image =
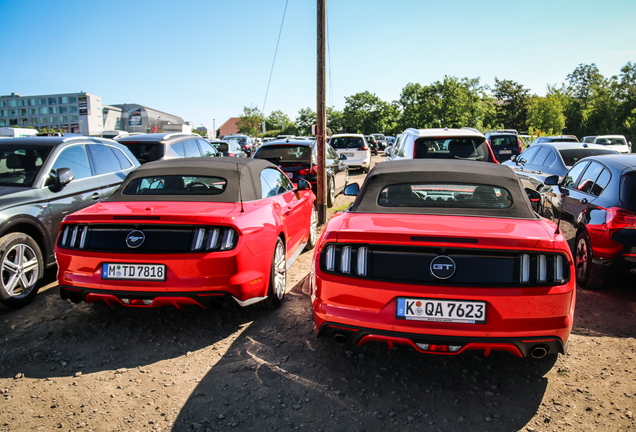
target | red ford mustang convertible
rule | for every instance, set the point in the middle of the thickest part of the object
(444, 256)
(188, 231)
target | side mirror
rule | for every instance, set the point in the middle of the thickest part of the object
(59, 178)
(352, 190)
(303, 184)
(552, 180)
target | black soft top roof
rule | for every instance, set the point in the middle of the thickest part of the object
(420, 171)
(226, 168)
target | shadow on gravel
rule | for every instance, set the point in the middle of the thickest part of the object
(278, 376)
(56, 338)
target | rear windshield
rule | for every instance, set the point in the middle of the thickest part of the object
(610, 141)
(240, 140)
(443, 195)
(572, 156)
(504, 141)
(19, 164)
(347, 142)
(628, 189)
(284, 153)
(379, 136)
(563, 139)
(175, 185)
(222, 147)
(457, 148)
(146, 152)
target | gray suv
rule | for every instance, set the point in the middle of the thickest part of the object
(43, 179)
(158, 146)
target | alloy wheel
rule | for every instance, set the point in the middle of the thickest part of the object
(280, 269)
(20, 270)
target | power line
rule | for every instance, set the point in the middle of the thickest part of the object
(275, 52)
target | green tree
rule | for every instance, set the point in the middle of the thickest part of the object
(306, 118)
(250, 122)
(512, 104)
(545, 114)
(366, 113)
(335, 120)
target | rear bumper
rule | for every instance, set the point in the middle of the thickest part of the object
(445, 345)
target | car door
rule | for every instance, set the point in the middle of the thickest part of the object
(191, 148)
(573, 201)
(109, 165)
(338, 166)
(535, 170)
(292, 207)
(85, 188)
(206, 148)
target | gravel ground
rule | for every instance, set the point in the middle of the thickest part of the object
(96, 368)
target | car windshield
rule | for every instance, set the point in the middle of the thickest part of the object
(175, 185)
(572, 156)
(503, 140)
(146, 152)
(347, 142)
(628, 188)
(20, 165)
(610, 141)
(455, 148)
(379, 136)
(444, 195)
(222, 147)
(284, 153)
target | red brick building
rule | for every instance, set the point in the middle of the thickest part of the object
(228, 128)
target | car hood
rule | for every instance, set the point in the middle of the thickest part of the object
(164, 211)
(450, 231)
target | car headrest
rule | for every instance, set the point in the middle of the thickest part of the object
(15, 161)
(462, 149)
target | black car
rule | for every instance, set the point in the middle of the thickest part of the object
(298, 159)
(504, 144)
(540, 161)
(595, 205)
(43, 179)
(373, 144)
(158, 146)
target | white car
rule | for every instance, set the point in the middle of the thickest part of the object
(615, 142)
(355, 148)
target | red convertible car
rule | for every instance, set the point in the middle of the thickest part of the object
(444, 256)
(188, 231)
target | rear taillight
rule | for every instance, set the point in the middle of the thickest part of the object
(230, 154)
(520, 145)
(363, 148)
(214, 239)
(310, 171)
(618, 218)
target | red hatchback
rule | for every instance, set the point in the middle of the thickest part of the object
(444, 256)
(188, 231)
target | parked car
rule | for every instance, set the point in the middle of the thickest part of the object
(380, 140)
(373, 144)
(189, 232)
(228, 148)
(42, 179)
(159, 146)
(355, 148)
(244, 141)
(444, 256)
(558, 138)
(504, 145)
(299, 160)
(540, 161)
(595, 204)
(616, 142)
(442, 144)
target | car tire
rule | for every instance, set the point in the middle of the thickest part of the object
(313, 230)
(587, 273)
(277, 277)
(21, 267)
(331, 193)
(366, 169)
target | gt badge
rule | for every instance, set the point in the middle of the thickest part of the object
(442, 267)
(134, 239)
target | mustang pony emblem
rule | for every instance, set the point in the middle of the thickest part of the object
(134, 239)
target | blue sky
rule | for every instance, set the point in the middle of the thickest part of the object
(207, 59)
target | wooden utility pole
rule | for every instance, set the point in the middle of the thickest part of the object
(321, 121)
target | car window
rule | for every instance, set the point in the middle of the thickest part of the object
(176, 185)
(442, 195)
(587, 183)
(347, 142)
(191, 148)
(178, 148)
(572, 156)
(541, 156)
(602, 181)
(628, 188)
(104, 160)
(19, 164)
(527, 155)
(572, 176)
(206, 148)
(550, 159)
(123, 159)
(503, 140)
(401, 147)
(274, 182)
(610, 141)
(455, 148)
(331, 153)
(277, 153)
(146, 152)
(75, 158)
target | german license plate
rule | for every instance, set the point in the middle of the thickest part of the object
(150, 272)
(349, 155)
(456, 311)
(505, 151)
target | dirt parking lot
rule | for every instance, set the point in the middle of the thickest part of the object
(97, 368)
